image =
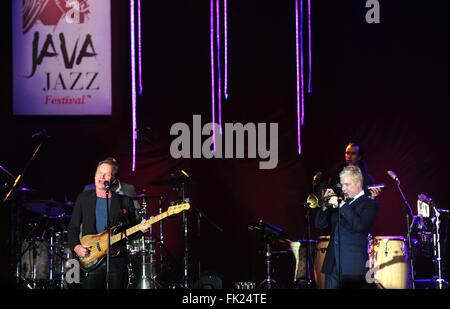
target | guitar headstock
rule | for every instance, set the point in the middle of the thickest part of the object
(178, 208)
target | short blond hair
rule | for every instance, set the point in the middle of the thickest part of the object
(353, 172)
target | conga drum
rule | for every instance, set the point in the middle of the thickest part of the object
(300, 250)
(389, 262)
(321, 250)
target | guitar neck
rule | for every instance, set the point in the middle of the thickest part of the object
(118, 237)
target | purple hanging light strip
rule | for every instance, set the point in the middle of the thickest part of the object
(213, 86)
(141, 88)
(133, 84)
(309, 48)
(225, 33)
(302, 67)
(297, 58)
(219, 73)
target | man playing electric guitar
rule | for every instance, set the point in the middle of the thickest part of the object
(89, 217)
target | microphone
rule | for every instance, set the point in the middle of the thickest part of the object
(107, 185)
(393, 176)
(317, 177)
(40, 133)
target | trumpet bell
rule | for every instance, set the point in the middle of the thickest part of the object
(312, 201)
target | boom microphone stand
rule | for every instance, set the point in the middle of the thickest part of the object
(408, 211)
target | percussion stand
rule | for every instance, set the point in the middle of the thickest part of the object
(308, 247)
(147, 280)
(186, 248)
(161, 236)
(269, 281)
(408, 211)
(51, 261)
(437, 250)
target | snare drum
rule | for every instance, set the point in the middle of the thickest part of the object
(389, 262)
(321, 250)
(135, 246)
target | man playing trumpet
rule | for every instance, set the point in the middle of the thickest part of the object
(350, 219)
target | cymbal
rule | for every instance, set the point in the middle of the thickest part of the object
(26, 190)
(144, 195)
(171, 181)
(49, 208)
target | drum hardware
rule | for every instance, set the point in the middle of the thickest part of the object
(49, 208)
(437, 251)
(427, 224)
(147, 276)
(42, 250)
(426, 227)
(178, 182)
(271, 233)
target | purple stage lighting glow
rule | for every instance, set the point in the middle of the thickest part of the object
(219, 79)
(309, 48)
(302, 70)
(225, 29)
(141, 89)
(213, 87)
(133, 84)
(299, 65)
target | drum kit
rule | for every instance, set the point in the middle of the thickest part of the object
(44, 253)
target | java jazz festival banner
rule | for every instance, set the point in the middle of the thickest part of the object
(61, 57)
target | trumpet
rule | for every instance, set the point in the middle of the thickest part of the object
(312, 201)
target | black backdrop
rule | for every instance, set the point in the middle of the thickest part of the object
(384, 85)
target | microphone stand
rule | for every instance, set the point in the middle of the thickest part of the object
(339, 243)
(308, 247)
(15, 213)
(408, 211)
(20, 176)
(108, 229)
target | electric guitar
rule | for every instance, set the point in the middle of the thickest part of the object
(98, 243)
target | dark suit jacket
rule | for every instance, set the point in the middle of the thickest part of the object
(121, 212)
(356, 221)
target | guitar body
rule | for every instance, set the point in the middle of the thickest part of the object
(98, 243)
(98, 246)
